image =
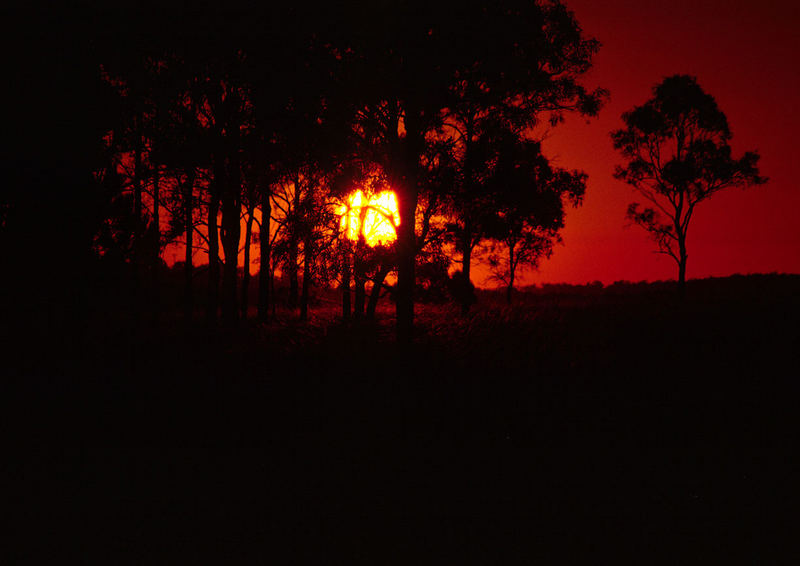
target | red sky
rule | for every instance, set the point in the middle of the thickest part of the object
(742, 53)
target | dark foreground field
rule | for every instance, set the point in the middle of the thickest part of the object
(597, 426)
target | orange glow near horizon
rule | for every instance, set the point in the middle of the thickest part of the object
(376, 217)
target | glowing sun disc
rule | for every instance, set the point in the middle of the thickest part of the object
(376, 217)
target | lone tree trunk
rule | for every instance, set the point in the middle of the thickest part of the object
(212, 302)
(682, 257)
(248, 234)
(510, 289)
(188, 299)
(512, 268)
(377, 286)
(308, 258)
(466, 263)
(294, 243)
(406, 236)
(466, 254)
(344, 251)
(359, 267)
(406, 272)
(273, 306)
(264, 265)
(231, 215)
(137, 220)
(360, 278)
(294, 284)
(466, 239)
(156, 251)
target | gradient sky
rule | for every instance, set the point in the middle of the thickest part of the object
(742, 53)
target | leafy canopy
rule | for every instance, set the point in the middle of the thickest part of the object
(677, 152)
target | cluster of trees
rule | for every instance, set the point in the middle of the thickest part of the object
(218, 130)
(266, 119)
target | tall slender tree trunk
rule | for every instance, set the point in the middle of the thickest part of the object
(274, 305)
(345, 256)
(375, 293)
(406, 270)
(188, 298)
(466, 255)
(466, 239)
(466, 265)
(294, 285)
(137, 193)
(265, 260)
(156, 251)
(683, 256)
(231, 218)
(512, 269)
(212, 303)
(308, 258)
(248, 232)
(294, 243)
(359, 277)
(230, 268)
(136, 259)
(406, 235)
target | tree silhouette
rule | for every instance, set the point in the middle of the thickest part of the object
(678, 155)
(528, 206)
(250, 202)
(528, 53)
(513, 102)
(221, 105)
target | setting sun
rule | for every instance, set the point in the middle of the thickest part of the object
(376, 217)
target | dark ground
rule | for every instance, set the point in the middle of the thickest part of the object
(605, 426)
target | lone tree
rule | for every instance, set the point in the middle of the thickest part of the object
(677, 152)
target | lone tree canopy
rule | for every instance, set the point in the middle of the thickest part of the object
(677, 155)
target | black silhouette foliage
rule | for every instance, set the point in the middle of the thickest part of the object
(677, 153)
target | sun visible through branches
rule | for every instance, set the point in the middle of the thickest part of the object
(375, 217)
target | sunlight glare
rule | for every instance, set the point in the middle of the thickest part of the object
(379, 214)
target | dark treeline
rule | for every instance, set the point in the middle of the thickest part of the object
(216, 131)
